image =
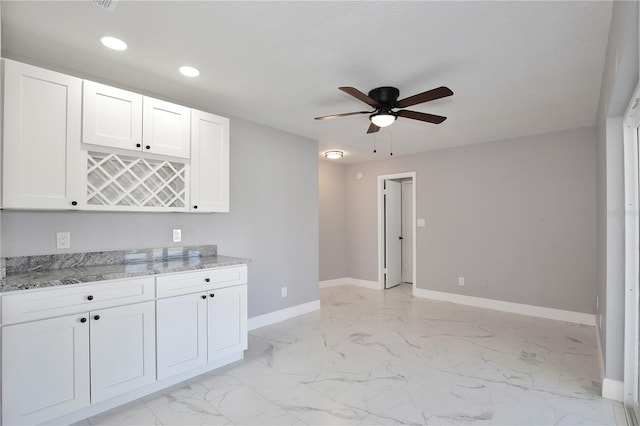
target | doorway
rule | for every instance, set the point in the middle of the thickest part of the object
(396, 230)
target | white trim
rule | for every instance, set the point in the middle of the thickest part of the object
(381, 179)
(613, 389)
(349, 281)
(517, 308)
(600, 351)
(334, 282)
(631, 229)
(282, 315)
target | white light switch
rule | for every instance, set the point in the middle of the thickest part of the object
(177, 235)
(63, 240)
(421, 223)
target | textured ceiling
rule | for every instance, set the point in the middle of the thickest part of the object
(517, 68)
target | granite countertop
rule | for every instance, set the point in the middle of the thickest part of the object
(29, 272)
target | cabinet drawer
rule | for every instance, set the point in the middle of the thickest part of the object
(193, 282)
(53, 302)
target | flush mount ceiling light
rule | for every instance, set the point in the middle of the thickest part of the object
(189, 71)
(333, 155)
(113, 43)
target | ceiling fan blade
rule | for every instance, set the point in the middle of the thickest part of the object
(415, 115)
(429, 95)
(373, 128)
(360, 96)
(326, 117)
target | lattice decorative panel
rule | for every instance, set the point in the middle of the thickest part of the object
(120, 180)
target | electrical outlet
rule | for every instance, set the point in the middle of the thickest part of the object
(484, 283)
(63, 240)
(460, 280)
(177, 235)
(284, 292)
(597, 302)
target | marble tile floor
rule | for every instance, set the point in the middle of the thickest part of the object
(384, 357)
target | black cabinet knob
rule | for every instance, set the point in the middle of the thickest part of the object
(89, 297)
(83, 320)
(207, 280)
(147, 147)
(96, 317)
(195, 207)
(138, 145)
(74, 203)
(204, 296)
(212, 295)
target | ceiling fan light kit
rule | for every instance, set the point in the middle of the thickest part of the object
(385, 100)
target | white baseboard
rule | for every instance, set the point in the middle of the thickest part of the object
(349, 281)
(282, 314)
(613, 389)
(517, 308)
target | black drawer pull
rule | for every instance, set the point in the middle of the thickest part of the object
(74, 203)
(207, 280)
(89, 297)
(147, 147)
(212, 295)
(204, 296)
(138, 145)
(83, 320)
(96, 317)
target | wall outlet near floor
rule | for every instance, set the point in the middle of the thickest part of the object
(177, 235)
(597, 302)
(483, 283)
(284, 292)
(63, 240)
(460, 280)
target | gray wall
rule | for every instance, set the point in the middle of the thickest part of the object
(618, 83)
(273, 220)
(333, 220)
(518, 213)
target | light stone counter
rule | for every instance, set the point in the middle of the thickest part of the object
(29, 272)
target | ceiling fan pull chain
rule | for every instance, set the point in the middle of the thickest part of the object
(374, 143)
(391, 151)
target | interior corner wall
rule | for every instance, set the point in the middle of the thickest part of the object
(333, 216)
(619, 80)
(273, 220)
(518, 213)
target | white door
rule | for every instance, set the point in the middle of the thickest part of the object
(393, 233)
(407, 231)
(111, 117)
(166, 128)
(122, 349)
(209, 162)
(42, 113)
(182, 333)
(45, 369)
(227, 322)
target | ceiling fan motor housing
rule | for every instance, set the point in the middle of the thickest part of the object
(385, 95)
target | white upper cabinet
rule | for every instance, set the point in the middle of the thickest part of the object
(111, 117)
(209, 162)
(118, 118)
(166, 128)
(41, 139)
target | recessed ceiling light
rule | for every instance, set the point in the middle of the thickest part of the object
(113, 43)
(189, 71)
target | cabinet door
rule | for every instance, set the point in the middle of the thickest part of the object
(45, 369)
(227, 322)
(111, 117)
(209, 162)
(166, 128)
(41, 160)
(182, 333)
(122, 349)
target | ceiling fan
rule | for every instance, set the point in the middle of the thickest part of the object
(385, 100)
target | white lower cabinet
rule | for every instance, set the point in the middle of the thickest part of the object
(45, 369)
(55, 366)
(200, 328)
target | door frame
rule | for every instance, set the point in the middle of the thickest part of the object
(381, 179)
(632, 252)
